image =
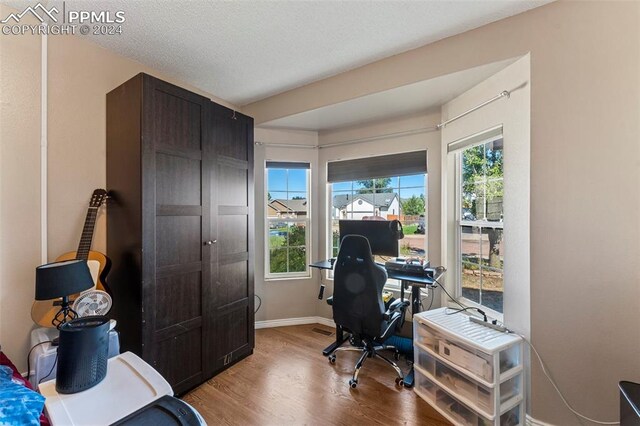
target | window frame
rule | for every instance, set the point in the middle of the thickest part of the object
(391, 284)
(281, 276)
(459, 223)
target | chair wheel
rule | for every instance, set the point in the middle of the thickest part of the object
(353, 383)
(332, 359)
(399, 381)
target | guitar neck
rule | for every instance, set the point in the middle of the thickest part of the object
(87, 234)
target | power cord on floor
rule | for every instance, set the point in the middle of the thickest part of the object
(535, 351)
(555, 386)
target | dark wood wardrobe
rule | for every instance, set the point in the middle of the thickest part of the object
(180, 229)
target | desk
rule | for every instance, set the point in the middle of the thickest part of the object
(406, 280)
(340, 337)
(416, 282)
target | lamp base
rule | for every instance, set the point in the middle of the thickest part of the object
(65, 314)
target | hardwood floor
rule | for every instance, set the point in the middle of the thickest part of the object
(287, 381)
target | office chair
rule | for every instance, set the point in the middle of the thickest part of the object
(358, 306)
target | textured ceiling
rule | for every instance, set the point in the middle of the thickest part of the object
(243, 51)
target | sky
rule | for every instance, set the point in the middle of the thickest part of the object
(296, 185)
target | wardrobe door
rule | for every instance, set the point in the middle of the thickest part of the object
(232, 223)
(176, 290)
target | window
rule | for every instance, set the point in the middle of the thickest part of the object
(386, 198)
(480, 226)
(382, 187)
(288, 220)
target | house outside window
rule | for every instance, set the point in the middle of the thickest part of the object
(383, 187)
(389, 198)
(288, 220)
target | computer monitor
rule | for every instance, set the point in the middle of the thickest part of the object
(383, 235)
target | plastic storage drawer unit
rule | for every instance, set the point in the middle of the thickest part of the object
(471, 374)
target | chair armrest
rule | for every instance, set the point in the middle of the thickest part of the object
(392, 325)
(397, 306)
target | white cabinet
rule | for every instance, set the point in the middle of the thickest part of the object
(471, 374)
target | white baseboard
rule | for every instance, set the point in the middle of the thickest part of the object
(285, 322)
(530, 421)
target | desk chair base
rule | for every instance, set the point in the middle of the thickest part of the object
(370, 351)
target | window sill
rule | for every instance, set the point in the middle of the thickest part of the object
(294, 278)
(394, 286)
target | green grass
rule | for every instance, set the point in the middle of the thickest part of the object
(405, 251)
(410, 229)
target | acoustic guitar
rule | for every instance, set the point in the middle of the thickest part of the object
(43, 311)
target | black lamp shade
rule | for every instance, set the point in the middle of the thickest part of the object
(59, 279)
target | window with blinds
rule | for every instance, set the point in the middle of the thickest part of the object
(381, 188)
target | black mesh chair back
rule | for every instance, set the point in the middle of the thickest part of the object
(358, 283)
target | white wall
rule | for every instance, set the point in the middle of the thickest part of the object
(284, 298)
(19, 188)
(293, 298)
(585, 233)
(513, 114)
(80, 74)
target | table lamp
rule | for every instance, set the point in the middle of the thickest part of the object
(61, 280)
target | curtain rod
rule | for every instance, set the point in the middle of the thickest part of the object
(350, 141)
(285, 145)
(383, 136)
(503, 94)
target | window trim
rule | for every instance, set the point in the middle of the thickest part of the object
(459, 223)
(283, 276)
(392, 284)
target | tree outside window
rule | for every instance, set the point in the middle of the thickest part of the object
(481, 227)
(387, 198)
